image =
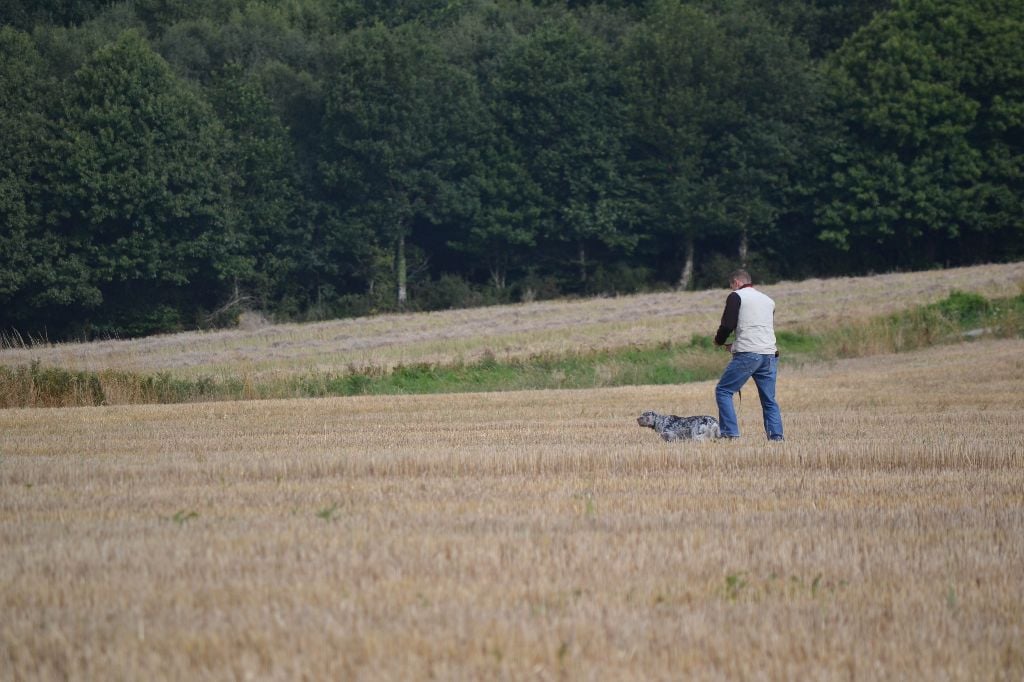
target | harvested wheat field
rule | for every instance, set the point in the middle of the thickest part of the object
(507, 332)
(532, 535)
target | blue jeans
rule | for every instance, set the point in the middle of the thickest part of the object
(764, 369)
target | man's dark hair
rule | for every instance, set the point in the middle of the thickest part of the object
(741, 276)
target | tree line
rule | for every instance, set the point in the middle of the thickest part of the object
(168, 164)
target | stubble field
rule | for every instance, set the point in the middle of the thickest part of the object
(531, 535)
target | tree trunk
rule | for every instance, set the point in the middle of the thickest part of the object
(400, 272)
(686, 278)
(583, 264)
(744, 247)
(498, 278)
(498, 268)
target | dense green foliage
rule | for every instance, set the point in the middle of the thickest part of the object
(170, 164)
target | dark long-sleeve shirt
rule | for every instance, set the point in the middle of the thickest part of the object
(730, 318)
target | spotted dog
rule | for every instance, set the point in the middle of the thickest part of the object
(671, 427)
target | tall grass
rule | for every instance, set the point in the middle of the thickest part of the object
(38, 386)
(959, 317)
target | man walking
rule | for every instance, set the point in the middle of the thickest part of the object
(751, 314)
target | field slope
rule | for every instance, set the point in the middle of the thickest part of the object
(537, 535)
(509, 332)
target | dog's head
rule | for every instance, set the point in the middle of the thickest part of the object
(647, 419)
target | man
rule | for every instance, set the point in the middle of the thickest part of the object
(751, 314)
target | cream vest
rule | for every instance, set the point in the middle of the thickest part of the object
(755, 330)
